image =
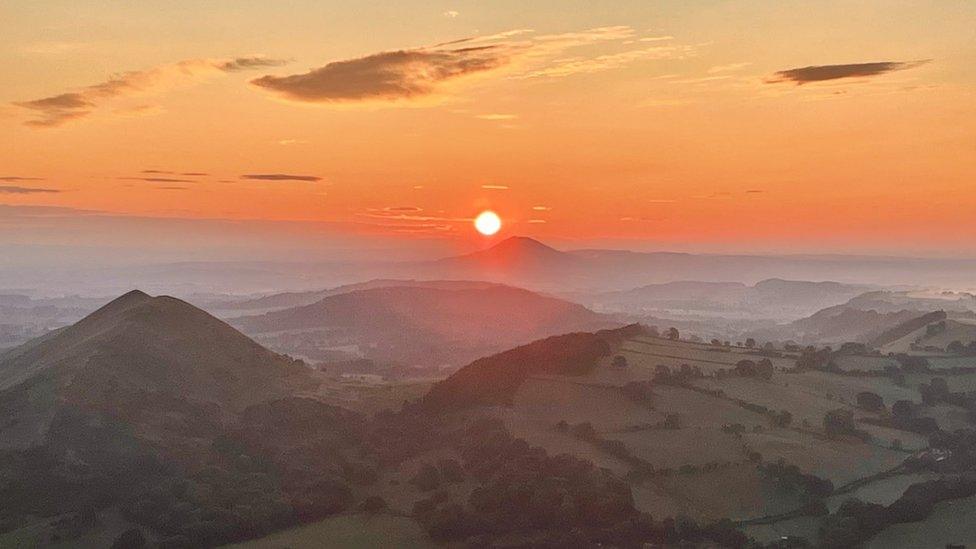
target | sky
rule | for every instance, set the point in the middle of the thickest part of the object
(713, 126)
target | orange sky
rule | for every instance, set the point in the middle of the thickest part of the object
(703, 125)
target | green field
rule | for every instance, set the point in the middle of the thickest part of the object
(841, 461)
(738, 492)
(347, 532)
(950, 522)
(883, 492)
(865, 363)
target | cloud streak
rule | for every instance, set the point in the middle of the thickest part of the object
(280, 177)
(409, 74)
(158, 179)
(15, 189)
(820, 73)
(57, 110)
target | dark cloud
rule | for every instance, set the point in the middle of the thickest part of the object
(819, 73)
(386, 76)
(158, 179)
(11, 178)
(168, 172)
(12, 189)
(62, 108)
(58, 109)
(172, 188)
(280, 177)
(248, 63)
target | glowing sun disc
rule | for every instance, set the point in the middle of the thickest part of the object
(488, 223)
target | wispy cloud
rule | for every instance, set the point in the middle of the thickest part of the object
(170, 172)
(280, 177)
(731, 67)
(495, 187)
(819, 73)
(59, 109)
(451, 14)
(414, 73)
(496, 116)
(15, 189)
(158, 179)
(12, 178)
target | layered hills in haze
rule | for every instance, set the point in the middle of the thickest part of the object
(429, 325)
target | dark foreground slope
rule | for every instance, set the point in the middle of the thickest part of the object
(154, 409)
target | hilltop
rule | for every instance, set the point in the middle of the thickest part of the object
(423, 326)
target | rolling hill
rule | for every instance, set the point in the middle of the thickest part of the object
(772, 298)
(422, 326)
(287, 300)
(875, 316)
(133, 358)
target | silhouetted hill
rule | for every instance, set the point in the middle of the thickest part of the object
(133, 358)
(424, 325)
(287, 300)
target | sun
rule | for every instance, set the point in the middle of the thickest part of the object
(488, 223)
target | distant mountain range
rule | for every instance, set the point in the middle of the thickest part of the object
(420, 324)
(517, 261)
(772, 298)
(877, 317)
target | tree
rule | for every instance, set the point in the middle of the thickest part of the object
(673, 333)
(764, 368)
(956, 348)
(839, 422)
(750, 343)
(427, 478)
(130, 539)
(620, 361)
(745, 368)
(903, 410)
(783, 419)
(867, 400)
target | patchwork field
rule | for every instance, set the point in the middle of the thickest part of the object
(840, 461)
(739, 492)
(775, 394)
(946, 362)
(864, 363)
(672, 448)
(846, 388)
(765, 533)
(951, 522)
(347, 531)
(648, 352)
(883, 492)
(547, 400)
